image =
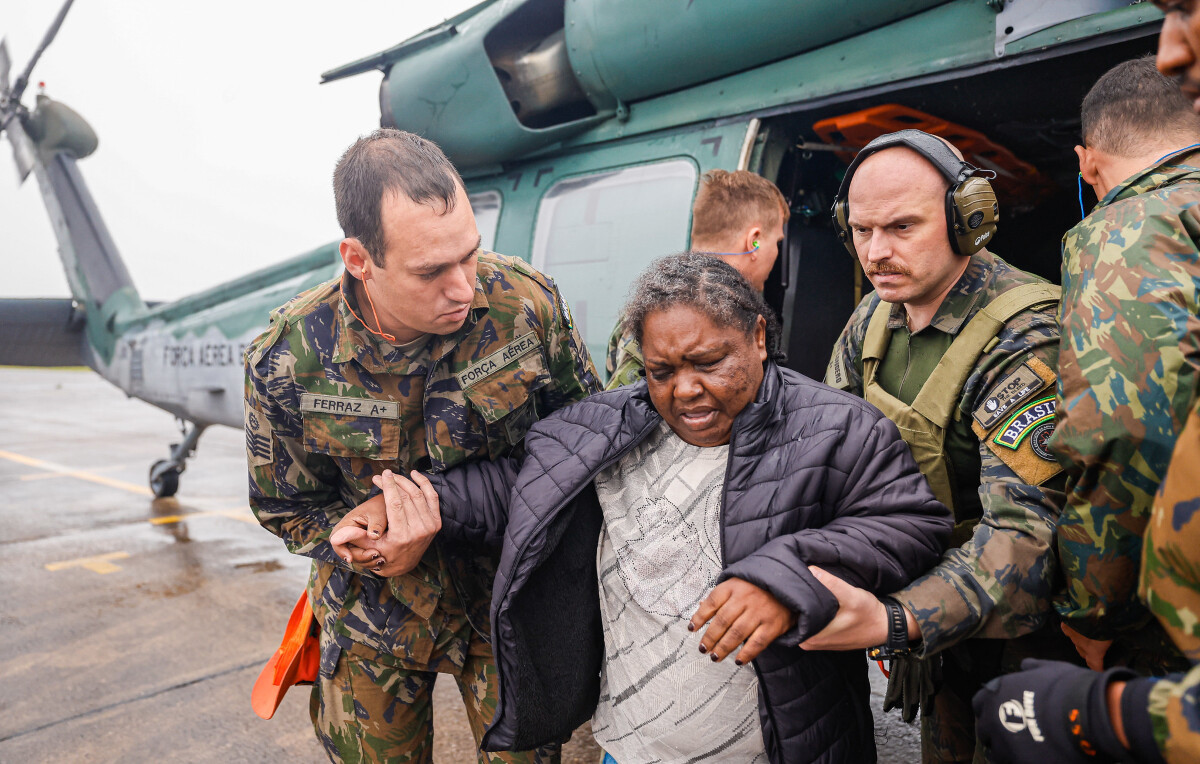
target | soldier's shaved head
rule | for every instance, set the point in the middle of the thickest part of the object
(1133, 109)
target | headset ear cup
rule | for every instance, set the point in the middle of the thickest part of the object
(841, 225)
(971, 215)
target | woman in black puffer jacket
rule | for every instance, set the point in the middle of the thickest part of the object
(813, 476)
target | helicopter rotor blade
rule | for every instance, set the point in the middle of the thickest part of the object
(22, 81)
(21, 147)
(5, 65)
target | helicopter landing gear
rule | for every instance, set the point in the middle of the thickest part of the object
(164, 473)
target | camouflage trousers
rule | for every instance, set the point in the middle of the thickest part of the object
(369, 712)
(948, 733)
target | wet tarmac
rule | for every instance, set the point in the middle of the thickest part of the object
(133, 628)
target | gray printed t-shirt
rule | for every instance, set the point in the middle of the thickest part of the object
(661, 700)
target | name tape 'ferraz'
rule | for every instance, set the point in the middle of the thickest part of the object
(341, 406)
(498, 360)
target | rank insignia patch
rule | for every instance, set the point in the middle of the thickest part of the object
(259, 445)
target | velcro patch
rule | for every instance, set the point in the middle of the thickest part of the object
(344, 406)
(484, 368)
(836, 375)
(1022, 422)
(259, 440)
(1009, 393)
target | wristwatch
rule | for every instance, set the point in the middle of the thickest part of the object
(897, 641)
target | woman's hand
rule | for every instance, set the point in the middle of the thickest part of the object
(741, 614)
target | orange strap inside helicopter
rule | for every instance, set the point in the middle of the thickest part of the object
(1015, 178)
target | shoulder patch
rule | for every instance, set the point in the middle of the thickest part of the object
(1016, 419)
(1013, 390)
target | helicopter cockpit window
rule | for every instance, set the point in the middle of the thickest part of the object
(486, 206)
(595, 234)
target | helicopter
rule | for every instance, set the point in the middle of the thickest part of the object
(581, 129)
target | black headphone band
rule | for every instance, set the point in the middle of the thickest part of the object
(933, 149)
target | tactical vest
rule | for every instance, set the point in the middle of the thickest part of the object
(923, 424)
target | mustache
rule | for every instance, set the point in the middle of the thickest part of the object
(884, 269)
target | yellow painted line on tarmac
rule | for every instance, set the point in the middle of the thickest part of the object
(60, 469)
(101, 564)
(37, 476)
(242, 513)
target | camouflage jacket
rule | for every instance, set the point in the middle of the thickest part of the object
(999, 582)
(1170, 587)
(328, 406)
(623, 362)
(1127, 373)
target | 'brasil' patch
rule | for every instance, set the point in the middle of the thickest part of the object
(1032, 417)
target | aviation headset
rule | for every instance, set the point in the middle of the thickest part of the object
(971, 207)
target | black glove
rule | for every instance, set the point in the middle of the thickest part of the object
(1049, 712)
(912, 683)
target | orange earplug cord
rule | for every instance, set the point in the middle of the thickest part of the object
(381, 332)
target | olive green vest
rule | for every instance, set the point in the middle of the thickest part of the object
(923, 424)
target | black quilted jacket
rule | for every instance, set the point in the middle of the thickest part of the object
(815, 476)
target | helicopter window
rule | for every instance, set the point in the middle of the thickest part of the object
(595, 233)
(486, 206)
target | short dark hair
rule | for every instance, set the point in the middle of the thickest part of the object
(705, 283)
(732, 201)
(389, 161)
(1132, 107)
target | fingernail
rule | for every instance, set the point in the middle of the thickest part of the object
(714, 657)
(703, 649)
(375, 556)
(737, 663)
(691, 627)
(374, 534)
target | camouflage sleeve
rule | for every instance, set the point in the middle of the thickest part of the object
(1162, 717)
(999, 583)
(293, 493)
(628, 366)
(1170, 586)
(1129, 365)
(1170, 578)
(571, 369)
(845, 364)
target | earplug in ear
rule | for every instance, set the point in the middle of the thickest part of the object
(754, 244)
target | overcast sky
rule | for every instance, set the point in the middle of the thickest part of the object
(216, 142)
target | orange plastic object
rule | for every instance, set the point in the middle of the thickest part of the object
(295, 662)
(1016, 180)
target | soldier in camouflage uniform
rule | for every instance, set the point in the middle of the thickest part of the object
(1083, 716)
(1133, 276)
(468, 349)
(959, 351)
(737, 216)
(1170, 587)
(1130, 355)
